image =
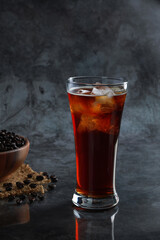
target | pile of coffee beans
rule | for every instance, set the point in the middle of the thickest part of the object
(32, 196)
(10, 141)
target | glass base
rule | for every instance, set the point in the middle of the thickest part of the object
(95, 203)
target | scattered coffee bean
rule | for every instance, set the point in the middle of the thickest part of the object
(30, 180)
(8, 188)
(50, 186)
(31, 199)
(39, 178)
(45, 174)
(41, 197)
(4, 130)
(34, 194)
(11, 198)
(27, 181)
(22, 197)
(33, 185)
(10, 141)
(19, 185)
(53, 178)
(7, 185)
(29, 175)
(19, 201)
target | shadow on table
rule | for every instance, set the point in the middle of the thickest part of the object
(11, 214)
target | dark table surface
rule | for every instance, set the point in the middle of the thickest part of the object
(136, 216)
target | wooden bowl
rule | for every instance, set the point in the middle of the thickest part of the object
(13, 159)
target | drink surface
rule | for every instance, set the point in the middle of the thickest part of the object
(96, 115)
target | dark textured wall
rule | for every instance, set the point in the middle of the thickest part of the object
(44, 42)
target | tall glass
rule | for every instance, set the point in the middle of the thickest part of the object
(96, 105)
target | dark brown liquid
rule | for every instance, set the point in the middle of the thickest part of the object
(96, 124)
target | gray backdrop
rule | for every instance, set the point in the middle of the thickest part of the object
(44, 42)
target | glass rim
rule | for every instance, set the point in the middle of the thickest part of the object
(120, 80)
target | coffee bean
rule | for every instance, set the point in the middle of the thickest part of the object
(41, 197)
(19, 201)
(31, 199)
(19, 185)
(17, 138)
(11, 198)
(8, 145)
(18, 143)
(27, 181)
(50, 186)
(29, 175)
(22, 197)
(33, 185)
(13, 144)
(10, 141)
(45, 174)
(7, 184)
(53, 178)
(34, 194)
(8, 188)
(39, 178)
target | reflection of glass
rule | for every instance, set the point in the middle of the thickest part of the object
(94, 225)
(11, 214)
(96, 105)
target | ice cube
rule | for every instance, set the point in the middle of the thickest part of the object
(83, 91)
(118, 90)
(86, 124)
(103, 91)
(90, 123)
(77, 105)
(104, 104)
